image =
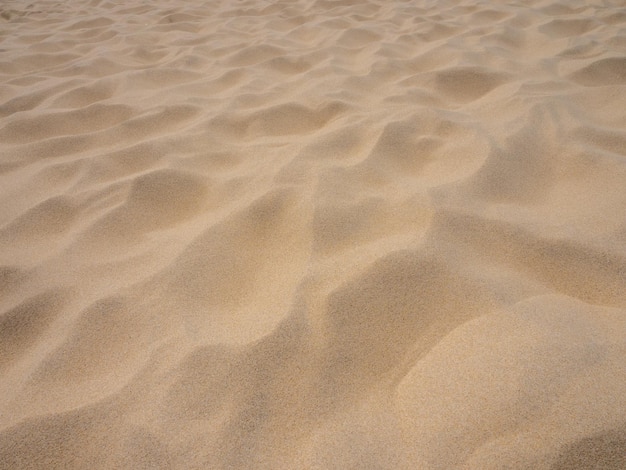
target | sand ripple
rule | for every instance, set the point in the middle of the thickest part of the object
(314, 234)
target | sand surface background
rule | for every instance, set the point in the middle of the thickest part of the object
(313, 234)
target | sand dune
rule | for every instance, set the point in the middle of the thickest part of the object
(313, 234)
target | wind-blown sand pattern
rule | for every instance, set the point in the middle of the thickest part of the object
(313, 234)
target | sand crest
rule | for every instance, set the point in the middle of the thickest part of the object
(313, 234)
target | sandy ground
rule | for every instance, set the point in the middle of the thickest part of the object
(313, 234)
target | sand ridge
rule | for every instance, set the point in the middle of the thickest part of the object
(313, 234)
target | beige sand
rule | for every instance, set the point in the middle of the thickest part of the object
(323, 234)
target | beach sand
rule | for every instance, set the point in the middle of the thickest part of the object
(313, 234)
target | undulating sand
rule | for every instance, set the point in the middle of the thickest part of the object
(322, 234)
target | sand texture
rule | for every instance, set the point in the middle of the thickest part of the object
(313, 234)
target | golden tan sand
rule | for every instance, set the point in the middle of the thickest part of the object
(313, 234)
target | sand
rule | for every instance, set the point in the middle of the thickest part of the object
(313, 234)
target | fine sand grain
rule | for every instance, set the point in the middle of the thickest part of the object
(326, 234)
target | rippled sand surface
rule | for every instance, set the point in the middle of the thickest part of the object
(313, 234)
